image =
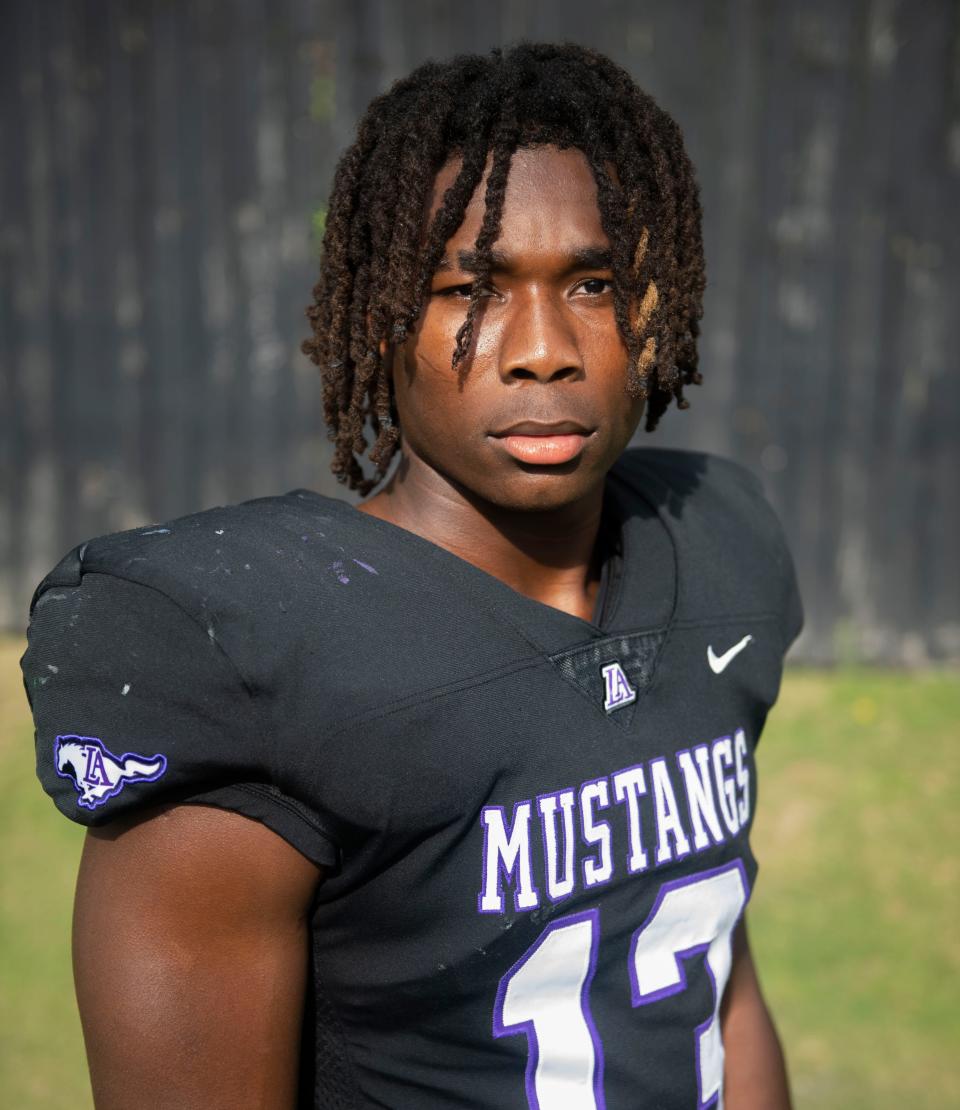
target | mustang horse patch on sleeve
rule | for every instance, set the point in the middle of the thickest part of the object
(97, 773)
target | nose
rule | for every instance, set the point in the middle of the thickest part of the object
(539, 342)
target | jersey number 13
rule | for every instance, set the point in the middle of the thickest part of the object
(546, 994)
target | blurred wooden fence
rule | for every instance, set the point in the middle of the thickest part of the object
(162, 163)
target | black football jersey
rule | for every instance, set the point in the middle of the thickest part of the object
(535, 828)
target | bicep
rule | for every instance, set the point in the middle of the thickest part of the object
(190, 961)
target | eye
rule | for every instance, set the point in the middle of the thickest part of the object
(594, 287)
(458, 292)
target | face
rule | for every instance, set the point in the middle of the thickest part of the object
(538, 412)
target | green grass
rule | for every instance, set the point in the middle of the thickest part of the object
(42, 1064)
(854, 921)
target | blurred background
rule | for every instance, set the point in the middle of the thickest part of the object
(164, 166)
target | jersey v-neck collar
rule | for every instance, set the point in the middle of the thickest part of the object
(625, 601)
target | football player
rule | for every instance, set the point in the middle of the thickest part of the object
(443, 800)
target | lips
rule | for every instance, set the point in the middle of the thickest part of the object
(540, 444)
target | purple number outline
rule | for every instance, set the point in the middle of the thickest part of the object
(638, 998)
(500, 1029)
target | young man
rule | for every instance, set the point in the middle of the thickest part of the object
(444, 800)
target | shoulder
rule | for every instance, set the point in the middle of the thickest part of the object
(195, 559)
(166, 592)
(151, 668)
(689, 479)
(228, 575)
(732, 552)
(229, 565)
(710, 501)
(290, 590)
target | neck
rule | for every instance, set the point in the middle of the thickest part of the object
(548, 555)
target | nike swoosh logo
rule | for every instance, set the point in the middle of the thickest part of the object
(720, 663)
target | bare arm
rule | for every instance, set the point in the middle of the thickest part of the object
(754, 1074)
(190, 961)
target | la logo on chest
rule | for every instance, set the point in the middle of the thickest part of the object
(617, 691)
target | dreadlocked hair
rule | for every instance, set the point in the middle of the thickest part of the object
(377, 260)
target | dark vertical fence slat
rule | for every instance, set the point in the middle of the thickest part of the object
(42, 337)
(257, 254)
(940, 610)
(862, 230)
(238, 153)
(929, 316)
(168, 303)
(164, 162)
(100, 481)
(122, 290)
(146, 205)
(218, 273)
(280, 43)
(802, 224)
(16, 86)
(194, 386)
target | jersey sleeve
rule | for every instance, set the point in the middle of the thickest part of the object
(752, 529)
(737, 557)
(792, 602)
(135, 704)
(773, 544)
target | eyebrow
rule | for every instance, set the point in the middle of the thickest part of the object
(584, 258)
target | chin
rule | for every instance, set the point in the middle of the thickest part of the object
(540, 490)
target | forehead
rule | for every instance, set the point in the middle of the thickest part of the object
(550, 198)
